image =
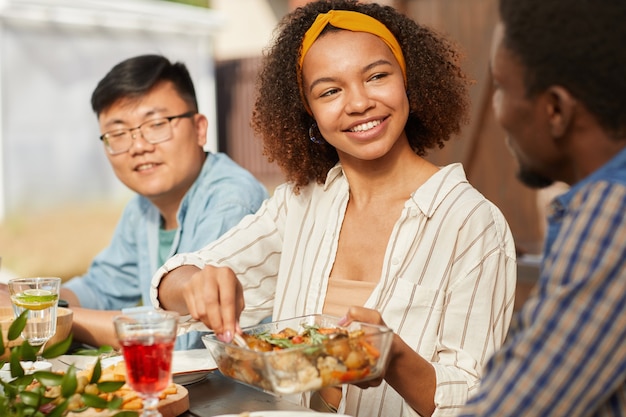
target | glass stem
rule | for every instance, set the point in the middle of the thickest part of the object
(150, 407)
(40, 351)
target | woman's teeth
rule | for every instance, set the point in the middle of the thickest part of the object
(365, 126)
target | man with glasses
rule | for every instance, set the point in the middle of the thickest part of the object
(153, 137)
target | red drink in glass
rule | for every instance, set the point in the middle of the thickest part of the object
(147, 337)
(148, 363)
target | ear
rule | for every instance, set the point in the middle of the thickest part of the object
(561, 108)
(202, 126)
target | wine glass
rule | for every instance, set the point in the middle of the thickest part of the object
(40, 297)
(147, 339)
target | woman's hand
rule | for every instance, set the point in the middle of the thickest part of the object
(215, 297)
(366, 315)
(407, 372)
(362, 314)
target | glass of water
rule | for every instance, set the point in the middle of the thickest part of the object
(40, 297)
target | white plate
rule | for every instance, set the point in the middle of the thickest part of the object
(195, 360)
(29, 368)
(188, 366)
(106, 362)
(189, 378)
(283, 414)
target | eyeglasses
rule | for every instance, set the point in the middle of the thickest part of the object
(153, 131)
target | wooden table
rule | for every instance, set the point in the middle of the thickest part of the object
(217, 395)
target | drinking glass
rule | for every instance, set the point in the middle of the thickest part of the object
(147, 340)
(40, 297)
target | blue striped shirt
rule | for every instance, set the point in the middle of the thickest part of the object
(566, 354)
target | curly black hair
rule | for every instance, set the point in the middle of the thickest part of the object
(577, 44)
(437, 90)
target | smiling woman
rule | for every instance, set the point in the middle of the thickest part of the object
(351, 97)
(354, 84)
(436, 89)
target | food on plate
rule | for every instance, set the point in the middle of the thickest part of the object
(130, 400)
(303, 354)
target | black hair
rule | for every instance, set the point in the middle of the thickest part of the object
(577, 44)
(134, 77)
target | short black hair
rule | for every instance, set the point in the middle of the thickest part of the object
(134, 77)
(577, 44)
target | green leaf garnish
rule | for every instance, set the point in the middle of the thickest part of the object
(49, 379)
(69, 382)
(110, 386)
(59, 410)
(115, 403)
(97, 371)
(313, 332)
(57, 349)
(101, 351)
(281, 342)
(18, 325)
(91, 400)
(30, 398)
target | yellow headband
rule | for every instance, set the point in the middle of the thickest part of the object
(355, 22)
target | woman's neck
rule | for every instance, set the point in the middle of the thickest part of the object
(387, 179)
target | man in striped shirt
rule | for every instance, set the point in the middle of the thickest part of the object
(560, 93)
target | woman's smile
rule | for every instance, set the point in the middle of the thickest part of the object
(355, 90)
(362, 127)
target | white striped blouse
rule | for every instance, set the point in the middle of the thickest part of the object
(447, 285)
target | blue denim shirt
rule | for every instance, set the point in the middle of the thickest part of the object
(119, 277)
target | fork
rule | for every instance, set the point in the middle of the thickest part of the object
(239, 340)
